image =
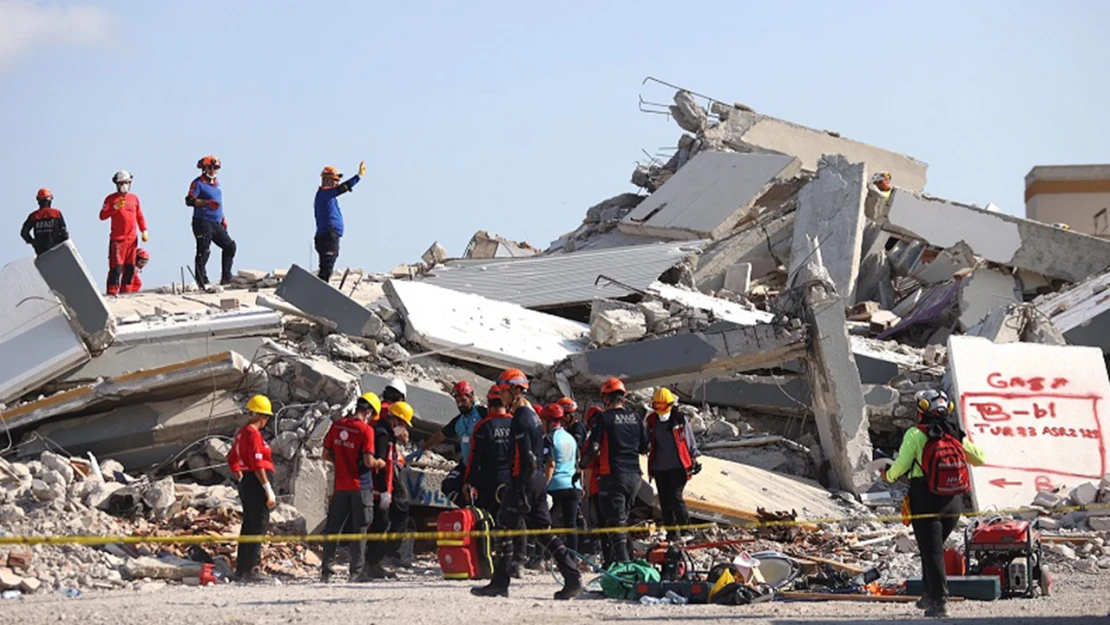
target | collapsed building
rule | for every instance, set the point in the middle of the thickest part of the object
(793, 306)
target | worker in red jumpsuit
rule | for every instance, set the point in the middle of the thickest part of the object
(142, 257)
(123, 208)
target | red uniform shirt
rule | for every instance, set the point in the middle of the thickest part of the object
(124, 216)
(348, 440)
(250, 452)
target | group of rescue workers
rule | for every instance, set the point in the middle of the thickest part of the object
(522, 463)
(46, 227)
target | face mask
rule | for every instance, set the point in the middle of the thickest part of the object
(666, 416)
(398, 430)
(123, 187)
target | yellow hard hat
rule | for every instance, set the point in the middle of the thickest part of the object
(373, 400)
(663, 395)
(260, 404)
(402, 411)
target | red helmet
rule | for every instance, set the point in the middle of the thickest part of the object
(512, 377)
(493, 394)
(462, 388)
(552, 412)
(43, 194)
(592, 412)
(567, 404)
(208, 161)
(613, 385)
(142, 254)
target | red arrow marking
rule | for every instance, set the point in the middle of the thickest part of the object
(1003, 482)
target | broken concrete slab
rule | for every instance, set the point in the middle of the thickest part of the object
(310, 485)
(318, 379)
(477, 329)
(615, 326)
(485, 245)
(721, 309)
(36, 328)
(779, 395)
(127, 357)
(983, 290)
(224, 324)
(219, 371)
(434, 409)
(875, 279)
(1036, 412)
(998, 237)
(830, 207)
(316, 297)
(945, 265)
(693, 356)
(709, 196)
(765, 245)
(748, 131)
(64, 270)
(738, 278)
(1082, 313)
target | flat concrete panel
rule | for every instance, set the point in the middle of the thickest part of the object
(983, 291)
(316, 297)
(37, 338)
(708, 196)
(433, 408)
(69, 278)
(1037, 413)
(121, 359)
(753, 391)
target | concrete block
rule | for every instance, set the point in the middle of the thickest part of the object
(1084, 494)
(738, 278)
(882, 321)
(708, 196)
(34, 327)
(983, 290)
(830, 207)
(764, 245)
(1035, 410)
(317, 379)
(318, 298)
(612, 327)
(435, 255)
(69, 278)
(310, 490)
(862, 311)
(998, 237)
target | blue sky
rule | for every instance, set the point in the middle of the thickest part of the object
(512, 117)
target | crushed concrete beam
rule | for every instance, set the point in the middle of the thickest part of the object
(318, 298)
(219, 371)
(476, 329)
(748, 131)
(143, 435)
(318, 379)
(998, 237)
(765, 245)
(1082, 313)
(708, 196)
(780, 395)
(123, 358)
(983, 290)
(693, 356)
(831, 208)
(38, 340)
(64, 270)
(239, 323)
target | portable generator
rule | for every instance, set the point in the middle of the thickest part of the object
(1011, 551)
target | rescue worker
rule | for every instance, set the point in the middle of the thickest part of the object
(252, 464)
(562, 473)
(591, 479)
(390, 431)
(882, 183)
(44, 228)
(123, 208)
(349, 446)
(617, 441)
(571, 423)
(142, 257)
(394, 392)
(329, 218)
(672, 458)
(209, 225)
(526, 496)
(936, 417)
(458, 430)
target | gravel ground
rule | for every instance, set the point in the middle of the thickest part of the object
(429, 600)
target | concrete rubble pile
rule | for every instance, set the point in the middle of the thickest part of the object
(761, 272)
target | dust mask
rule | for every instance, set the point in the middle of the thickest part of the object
(666, 416)
(398, 430)
(123, 187)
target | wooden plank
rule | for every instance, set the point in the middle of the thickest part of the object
(795, 595)
(837, 566)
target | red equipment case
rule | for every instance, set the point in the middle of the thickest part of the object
(465, 557)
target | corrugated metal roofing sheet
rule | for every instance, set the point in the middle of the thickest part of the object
(562, 279)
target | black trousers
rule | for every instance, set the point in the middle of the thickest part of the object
(527, 501)
(396, 520)
(616, 498)
(350, 512)
(487, 500)
(207, 233)
(327, 246)
(256, 521)
(452, 484)
(670, 484)
(931, 533)
(565, 511)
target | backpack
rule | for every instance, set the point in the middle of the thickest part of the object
(945, 465)
(620, 580)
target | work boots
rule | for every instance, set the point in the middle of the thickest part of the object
(572, 587)
(937, 609)
(491, 589)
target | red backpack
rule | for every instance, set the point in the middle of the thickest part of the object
(945, 465)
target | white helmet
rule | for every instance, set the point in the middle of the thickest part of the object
(121, 176)
(398, 385)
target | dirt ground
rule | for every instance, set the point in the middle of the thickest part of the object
(426, 599)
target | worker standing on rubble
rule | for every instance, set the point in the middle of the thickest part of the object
(459, 430)
(562, 473)
(123, 208)
(672, 458)
(617, 441)
(934, 515)
(142, 257)
(349, 446)
(44, 228)
(252, 464)
(882, 183)
(390, 431)
(526, 496)
(206, 198)
(329, 218)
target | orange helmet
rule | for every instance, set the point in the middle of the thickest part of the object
(331, 172)
(208, 161)
(613, 385)
(567, 404)
(43, 194)
(493, 394)
(552, 412)
(512, 377)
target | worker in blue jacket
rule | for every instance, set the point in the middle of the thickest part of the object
(329, 218)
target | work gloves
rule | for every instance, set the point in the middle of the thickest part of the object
(386, 500)
(146, 237)
(361, 169)
(696, 468)
(271, 499)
